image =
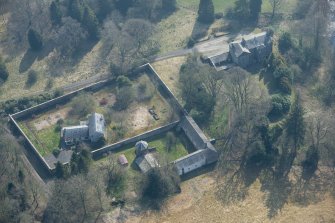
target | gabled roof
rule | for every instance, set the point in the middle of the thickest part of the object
(238, 49)
(219, 58)
(75, 132)
(123, 159)
(255, 41)
(146, 162)
(96, 123)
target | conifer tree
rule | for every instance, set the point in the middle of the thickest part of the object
(76, 9)
(59, 171)
(90, 22)
(55, 13)
(206, 11)
(35, 40)
(295, 126)
(255, 7)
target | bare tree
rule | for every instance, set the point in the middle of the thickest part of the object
(68, 37)
(318, 128)
(213, 82)
(237, 89)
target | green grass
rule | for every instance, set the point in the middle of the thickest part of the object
(44, 141)
(49, 138)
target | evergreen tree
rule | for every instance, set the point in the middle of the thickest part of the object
(59, 171)
(123, 5)
(295, 126)
(3, 71)
(206, 11)
(55, 13)
(90, 22)
(35, 40)
(241, 9)
(255, 7)
(169, 5)
(76, 9)
(105, 7)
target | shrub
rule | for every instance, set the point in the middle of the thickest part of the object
(171, 141)
(280, 105)
(158, 184)
(32, 78)
(83, 104)
(198, 116)
(56, 152)
(285, 42)
(124, 97)
(145, 90)
(284, 85)
(123, 81)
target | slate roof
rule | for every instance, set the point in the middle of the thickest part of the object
(238, 49)
(96, 123)
(219, 58)
(75, 132)
(146, 162)
(255, 41)
(63, 157)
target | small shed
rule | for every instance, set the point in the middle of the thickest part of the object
(123, 160)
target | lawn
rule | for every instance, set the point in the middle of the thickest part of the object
(45, 141)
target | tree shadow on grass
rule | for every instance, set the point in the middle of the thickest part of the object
(28, 60)
(83, 50)
(31, 56)
(199, 30)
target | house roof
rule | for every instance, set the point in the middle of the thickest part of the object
(146, 162)
(74, 132)
(255, 41)
(63, 157)
(219, 58)
(96, 123)
(238, 49)
(190, 159)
